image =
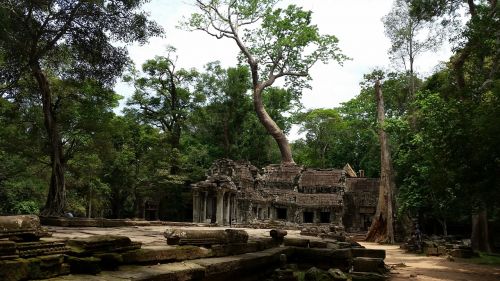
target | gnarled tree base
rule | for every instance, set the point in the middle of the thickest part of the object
(378, 231)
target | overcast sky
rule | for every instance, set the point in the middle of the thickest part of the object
(356, 23)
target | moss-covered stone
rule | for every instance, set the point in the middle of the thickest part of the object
(87, 265)
(14, 270)
(337, 274)
(110, 261)
(316, 274)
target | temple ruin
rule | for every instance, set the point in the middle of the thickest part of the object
(237, 193)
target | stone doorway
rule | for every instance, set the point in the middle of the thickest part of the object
(308, 217)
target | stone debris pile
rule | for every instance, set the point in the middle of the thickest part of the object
(440, 246)
(334, 232)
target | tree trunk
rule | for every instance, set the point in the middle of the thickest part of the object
(444, 225)
(89, 207)
(271, 126)
(479, 238)
(382, 228)
(56, 198)
(175, 140)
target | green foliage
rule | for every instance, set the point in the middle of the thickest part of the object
(283, 42)
(165, 97)
(71, 37)
(227, 126)
(485, 258)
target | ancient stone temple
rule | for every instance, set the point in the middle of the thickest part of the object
(238, 193)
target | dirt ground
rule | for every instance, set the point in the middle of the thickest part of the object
(420, 267)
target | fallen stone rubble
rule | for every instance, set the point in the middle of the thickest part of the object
(440, 246)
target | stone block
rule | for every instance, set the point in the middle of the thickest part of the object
(14, 270)
(22, 228)
(178, 271)
(45, 267)
(317, 244)
(88, 265)
(332, 245)
(266, 243)
(361, 264)
(239, 266)
(8, 250)
(368, 253)
(41, 248)
(368, 276)
(344, 245)
(209, 237)
(296, 242)
(461, 253)
(101, 244)
(222, 250)
(323, 258)
(163, 254)
(110, 261)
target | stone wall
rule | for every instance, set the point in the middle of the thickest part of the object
(360, 203)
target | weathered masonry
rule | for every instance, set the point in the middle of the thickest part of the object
(360, 202)
(238, 193)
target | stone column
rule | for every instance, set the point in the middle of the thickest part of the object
(220, 208)
(196, 206)
(204, 208)
(233, 208)
(228, 209)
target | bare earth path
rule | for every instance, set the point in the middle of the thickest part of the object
(419, 267)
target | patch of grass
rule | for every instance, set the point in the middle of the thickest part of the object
(485, 258)
(300, 275)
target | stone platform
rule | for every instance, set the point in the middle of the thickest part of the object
(142, 253)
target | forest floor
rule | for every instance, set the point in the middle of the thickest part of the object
(407, 266)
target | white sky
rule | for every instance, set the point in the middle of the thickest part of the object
(356, 23)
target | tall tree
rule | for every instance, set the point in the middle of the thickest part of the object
(70, 40)
(285, 44)
(164, 96)
(410, 37)
(382, 228)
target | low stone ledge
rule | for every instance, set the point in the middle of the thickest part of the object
(224, 268)
(154, 255)
(368, 253)
(33, 268)
(296, 242)
(101, 222)
(323, 258)
(318, 244)
(362, 264)
(368, 276)
(222, 250)
(180, 271)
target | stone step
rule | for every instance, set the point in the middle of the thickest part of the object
(170, 271)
